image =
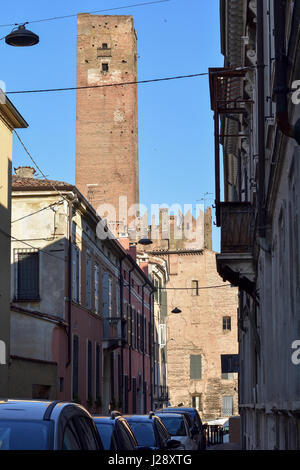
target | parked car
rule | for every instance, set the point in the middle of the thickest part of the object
(197, 428)
(150, 432)
(115, 432)
(46, 425)
(179, 429)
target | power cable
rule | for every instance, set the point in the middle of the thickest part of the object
(89, 12)
(36, 212)
(30, 246)
(36, 165)
(137, 82)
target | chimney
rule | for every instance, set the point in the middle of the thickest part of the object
(132, 251)
(25, 171)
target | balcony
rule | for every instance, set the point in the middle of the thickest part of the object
(113, 333)
(235, 262)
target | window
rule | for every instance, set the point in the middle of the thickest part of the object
(226, 323)
(96, 288)
(89, 370)
(104, 45)
(196, 367)
(197, 402)
(133, 395)
(97, 374)
(134, 329)
(227, 376)
(227, 406)
(104, 67)
(126, 394)
(88, 282)
(110, 312)
(75, 273)
(27, 274)
(75, 368)
(162, 335)
(195, 288)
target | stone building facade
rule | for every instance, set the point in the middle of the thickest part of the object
(81, 307)
(205, 329)
(106, 117)
(10, 119)
(255, 99)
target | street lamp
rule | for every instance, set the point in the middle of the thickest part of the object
(176, 310)
(145, 241)
(21, 37)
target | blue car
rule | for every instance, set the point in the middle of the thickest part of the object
(46, 425)
(115, 432)
(150, 432)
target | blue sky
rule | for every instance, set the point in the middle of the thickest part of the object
(179, 37)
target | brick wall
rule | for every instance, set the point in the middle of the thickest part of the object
(106, 120)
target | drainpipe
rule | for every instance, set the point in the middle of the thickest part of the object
(122, 326)
(261, 119)
(281, 63)
(69, 330)
(130, 347)
(143, 329)
(151, 346)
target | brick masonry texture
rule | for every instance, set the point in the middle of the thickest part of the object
(106, 118)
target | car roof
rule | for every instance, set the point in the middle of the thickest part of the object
(31, 409)
(139, 417)
(23, 409)
(177, 415)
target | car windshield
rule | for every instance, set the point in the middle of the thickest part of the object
(105, 430)
(144, 433)
(25, 435)
(174, 424)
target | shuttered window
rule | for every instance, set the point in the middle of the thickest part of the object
(27, 285)
(89, 370)
(88, 282)
(196, 367)
(97, 375)
(75, 368)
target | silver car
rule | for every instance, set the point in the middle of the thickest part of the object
(46, 425)
(179, 429)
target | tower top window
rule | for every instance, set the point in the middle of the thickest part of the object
(104, 67)
(104, 45)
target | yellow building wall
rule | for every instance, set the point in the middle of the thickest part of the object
(5, 218)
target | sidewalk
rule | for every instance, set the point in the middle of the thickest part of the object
(225, 446)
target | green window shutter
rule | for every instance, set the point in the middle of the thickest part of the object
(196, 367)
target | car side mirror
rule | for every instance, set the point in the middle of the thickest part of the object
(173, 444)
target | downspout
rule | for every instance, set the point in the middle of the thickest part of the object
(69, 330)
(261, 119)
(143, 329)
(130, 346)
(281, 62)
(122, 327)
(151, 346)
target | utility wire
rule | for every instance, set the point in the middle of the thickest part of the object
(53, 204)
(89, 12)
(193, 288)
(137, 82)
(30, 246)
(47, 90)
(36, 165)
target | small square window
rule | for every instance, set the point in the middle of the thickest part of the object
(104, 45)
(104, 67)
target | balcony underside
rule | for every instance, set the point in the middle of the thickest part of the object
(238, 269)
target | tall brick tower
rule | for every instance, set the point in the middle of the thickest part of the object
(106, 118)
